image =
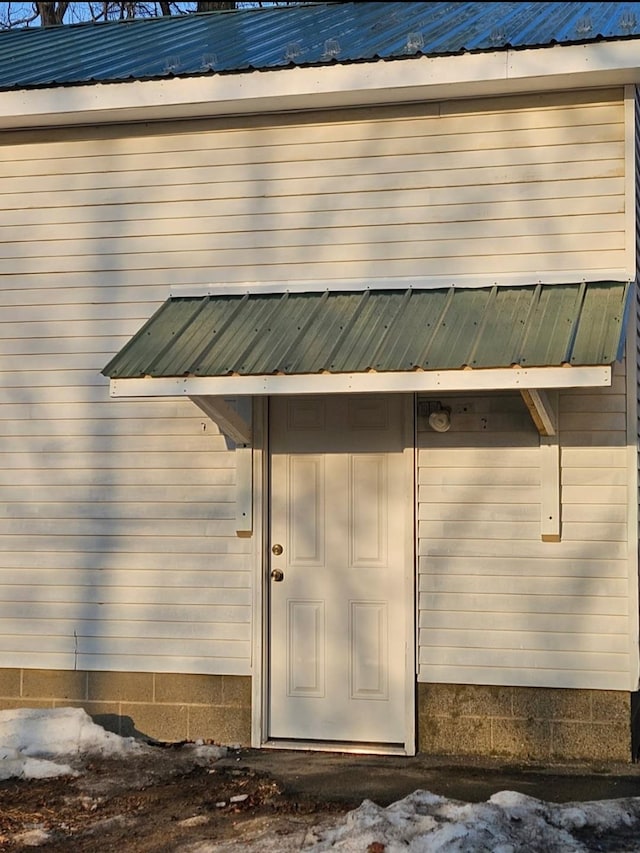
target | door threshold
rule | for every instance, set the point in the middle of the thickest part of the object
(337, 746)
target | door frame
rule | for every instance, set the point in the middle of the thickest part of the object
(261, 588)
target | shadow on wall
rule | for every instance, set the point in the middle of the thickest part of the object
(122, 725)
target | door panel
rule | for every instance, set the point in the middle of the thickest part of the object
(369, 650)
(305, 507)
(368, 511)
(306, 643)
(337, 618)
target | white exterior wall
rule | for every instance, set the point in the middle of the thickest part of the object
(117, 545)
(497, 604)
(443, 190)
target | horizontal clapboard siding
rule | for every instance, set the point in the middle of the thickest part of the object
(496, 604)
(492, 187)
(117, 523)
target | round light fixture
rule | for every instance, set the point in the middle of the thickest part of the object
(440, 420)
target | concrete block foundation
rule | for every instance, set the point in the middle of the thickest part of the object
(525, 723)
(513, 723)
(161, 706)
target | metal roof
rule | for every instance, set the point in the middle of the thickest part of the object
(307, 34)
(291, 333)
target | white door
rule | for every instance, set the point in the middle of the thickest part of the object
(340, 502)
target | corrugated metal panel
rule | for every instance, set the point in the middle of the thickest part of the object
(381, 330)
(309, 34)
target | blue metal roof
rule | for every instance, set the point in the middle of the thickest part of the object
(307, 34)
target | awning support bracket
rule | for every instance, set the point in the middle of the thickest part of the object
(550, 498)
(543, 408)
(230, 421)
(234, 420)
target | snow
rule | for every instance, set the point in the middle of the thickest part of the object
(506, 823)
(40, 743)
(29, 738)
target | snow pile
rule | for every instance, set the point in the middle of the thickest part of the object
(508, 822)
(423, 822)
(30, 737)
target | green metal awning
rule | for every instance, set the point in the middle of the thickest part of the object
(345, 332)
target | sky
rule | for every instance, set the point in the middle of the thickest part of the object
(44, 743)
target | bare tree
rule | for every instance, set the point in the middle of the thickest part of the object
(48, 14)
(207, 6)
(52, 13)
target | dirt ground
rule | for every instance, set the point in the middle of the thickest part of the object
(162, 801)
(179, 798)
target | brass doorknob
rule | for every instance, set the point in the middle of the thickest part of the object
(277, 550)
(277, 575)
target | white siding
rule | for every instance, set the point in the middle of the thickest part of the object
(117, 546)
(117, 519)
(493, 188)
(498, 605)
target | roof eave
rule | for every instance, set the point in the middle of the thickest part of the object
(560, 67)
